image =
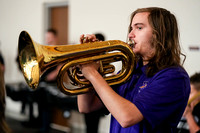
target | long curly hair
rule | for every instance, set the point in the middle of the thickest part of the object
(165, 39)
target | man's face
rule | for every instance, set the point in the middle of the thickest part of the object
(50, 38)
(141, 34)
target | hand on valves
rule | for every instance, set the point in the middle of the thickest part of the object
(89, 69)
(88, 38)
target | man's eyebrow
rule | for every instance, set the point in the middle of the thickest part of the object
(138, 24)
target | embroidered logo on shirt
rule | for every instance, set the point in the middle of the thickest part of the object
(144, 85)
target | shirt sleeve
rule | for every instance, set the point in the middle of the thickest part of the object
(165, 97)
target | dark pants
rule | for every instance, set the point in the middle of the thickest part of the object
(92, 121)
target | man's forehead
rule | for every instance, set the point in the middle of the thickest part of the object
(140, 18)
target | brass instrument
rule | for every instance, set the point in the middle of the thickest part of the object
(35, 59)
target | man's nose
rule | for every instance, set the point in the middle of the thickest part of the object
(131, 34)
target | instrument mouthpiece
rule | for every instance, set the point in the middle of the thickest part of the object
(131, 43)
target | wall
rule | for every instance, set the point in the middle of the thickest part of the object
(89, 16)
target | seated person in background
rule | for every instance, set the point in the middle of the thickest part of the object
(47, 94)
(190, 123)
(47, 79)
(3, 125)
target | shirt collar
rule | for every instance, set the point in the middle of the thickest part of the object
(141, 66)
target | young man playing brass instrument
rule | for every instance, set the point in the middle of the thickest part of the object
(155, 97)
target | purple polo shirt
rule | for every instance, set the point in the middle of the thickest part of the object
(161, 99)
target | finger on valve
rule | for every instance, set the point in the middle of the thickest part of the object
(82, 38)
(88, 38)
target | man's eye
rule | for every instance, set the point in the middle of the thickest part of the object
(139, 28)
